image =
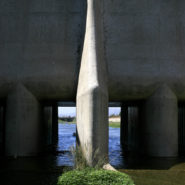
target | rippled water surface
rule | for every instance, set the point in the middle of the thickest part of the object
(67, 139)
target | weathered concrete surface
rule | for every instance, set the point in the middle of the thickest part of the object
(40, 46)
(144, 47)
(133, 129)
(92, 94)
(142, 43)
(47, 116)
(23, 125)
(41, 42)
(1, 130)
(160, 129)
(124, 127)
(181, 123)
(54, 124)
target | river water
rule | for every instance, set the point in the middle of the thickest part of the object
(47, 167)
(117, 157)
(67, 139)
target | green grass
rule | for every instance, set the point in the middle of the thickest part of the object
(91, 176)
(114, 124)
(111, 124)
(173, 176)
(65, 122)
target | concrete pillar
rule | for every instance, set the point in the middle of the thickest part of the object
(48, 125)
(161, 124)
(23, 126)
(55, 124)
(124, 127)
(1, 130)
(133, 129)
(181, 123)
(92, 94)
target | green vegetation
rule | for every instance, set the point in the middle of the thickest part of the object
(83, 175)
(90, 176)
(68, 122)
(111, 124)
(114, 124)
(157, 177)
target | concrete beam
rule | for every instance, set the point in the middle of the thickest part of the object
(23, 125)
(160, 137)
(92, 93)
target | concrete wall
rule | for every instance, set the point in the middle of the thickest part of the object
(40, 46)
(41, 43)
(131, 49)
(144, 46)
(1, 130)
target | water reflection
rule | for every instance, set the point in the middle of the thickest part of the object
(117, 157)
(46, 168)
(62, 156)
(67, 139)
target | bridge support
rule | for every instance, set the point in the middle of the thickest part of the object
(92, 95)
(23, 124)
(124, 128)
(161, 125)
(48, 114)
(54, 124)
(133, 129)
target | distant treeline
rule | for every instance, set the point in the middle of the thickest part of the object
(67, 119)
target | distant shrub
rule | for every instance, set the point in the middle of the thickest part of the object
(90, 176)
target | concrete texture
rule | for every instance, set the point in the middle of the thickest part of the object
(124, 127)
(133, 129)
(41, 43)
(1, 129)
(23, 125)
(160, 130)
(40, 46)
(130, 49)
(181, 122)
(54, 124)
(92, 94)
(48, 116)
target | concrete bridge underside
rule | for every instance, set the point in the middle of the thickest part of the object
(92, 52)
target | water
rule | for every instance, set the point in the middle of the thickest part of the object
(116, 157)
(67, 139)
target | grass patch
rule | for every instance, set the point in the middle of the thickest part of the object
(65, 122)
(90, 176)
(157, 177)
(111, 124)
(114, 124)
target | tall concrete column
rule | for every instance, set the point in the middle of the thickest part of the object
(133, 128)
(48, 115)
(92, 94)
(1, 130)
(161, 124)
(23, 126)
(124, 127)
(55, 124)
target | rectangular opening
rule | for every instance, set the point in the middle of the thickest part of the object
(114, 119)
